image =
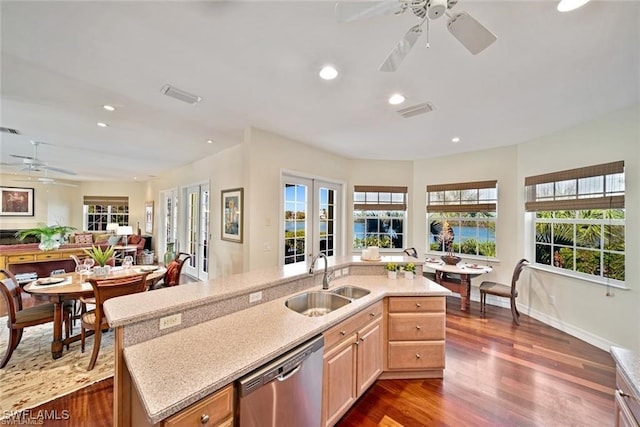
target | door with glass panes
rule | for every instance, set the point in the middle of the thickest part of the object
(196, 230)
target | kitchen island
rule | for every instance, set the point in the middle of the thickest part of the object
(222, 336)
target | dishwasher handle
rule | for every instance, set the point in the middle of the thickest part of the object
(289, 374)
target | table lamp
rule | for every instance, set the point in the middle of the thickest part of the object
(125, 230)
(112, 227)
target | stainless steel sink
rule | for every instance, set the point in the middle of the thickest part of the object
(314, 304)
(351, 292)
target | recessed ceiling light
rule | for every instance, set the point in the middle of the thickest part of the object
(109, 107)
(209, 141)
(455, 139)
(569, 5)
(396, 99)
(328, 73)
(102, 125)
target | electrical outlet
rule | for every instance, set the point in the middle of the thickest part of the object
(267, 247)
(170, 321)
(552, 299)
(255, 297)
(345, 271)
(337, 273)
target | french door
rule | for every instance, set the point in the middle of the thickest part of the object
(196, 230)
(311, 219)
(168, 222)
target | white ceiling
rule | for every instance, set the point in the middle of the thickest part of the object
(256, 64)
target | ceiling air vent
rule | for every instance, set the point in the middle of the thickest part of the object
(180, 94)
(414, 110)
(9, 130)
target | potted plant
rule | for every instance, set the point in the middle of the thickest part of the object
(409, 270)
(392, 269)
(101, 257)
(445, 238)
(49, 235)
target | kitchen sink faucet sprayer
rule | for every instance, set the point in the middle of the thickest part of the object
(325, 276)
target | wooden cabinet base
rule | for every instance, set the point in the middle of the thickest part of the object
(411, 375)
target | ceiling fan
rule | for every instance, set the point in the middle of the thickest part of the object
(45, 180)
(34, 164)
(473, 35)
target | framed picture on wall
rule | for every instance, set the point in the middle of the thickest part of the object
(148, 217)
(16, 201)
(232, 214)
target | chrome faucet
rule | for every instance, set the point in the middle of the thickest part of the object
(325, 276)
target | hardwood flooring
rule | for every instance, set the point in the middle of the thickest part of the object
(497, 374)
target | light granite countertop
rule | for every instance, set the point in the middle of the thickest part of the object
(176, 370)
(629, 363)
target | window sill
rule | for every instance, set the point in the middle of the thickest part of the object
(602, 282)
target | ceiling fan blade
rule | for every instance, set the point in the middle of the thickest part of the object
(65, 171)
(402, 49)
(472, 34)
(356, 11)
(17, 156)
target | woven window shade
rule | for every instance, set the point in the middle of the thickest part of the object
(577, 201)
(466, 206)
(381, 206)
(107, 200)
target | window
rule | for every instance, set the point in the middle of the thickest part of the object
(311, 222)
(101, 210)
(579, 220)
(379, 216)
(461, 218)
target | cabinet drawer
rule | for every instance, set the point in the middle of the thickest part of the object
(417, 304)
(416, 355)
(632, 400)
(20, 258)
(214, 409)
(416, 327)
(342, 330)
(47, 256)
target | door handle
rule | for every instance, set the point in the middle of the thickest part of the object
(289, 374)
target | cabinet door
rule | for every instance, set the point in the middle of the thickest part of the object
(339, 381)
(369, 355)
(214, 410)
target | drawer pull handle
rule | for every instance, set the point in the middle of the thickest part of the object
(362, 339)
(204, 418)
(343, 333)
(418, 327)
(622, 393)
(418, 305)
(372, 314)
(418, 356)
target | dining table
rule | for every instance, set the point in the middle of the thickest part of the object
(72, 286)
(457, 278)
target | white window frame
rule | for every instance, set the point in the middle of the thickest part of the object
(382, 204)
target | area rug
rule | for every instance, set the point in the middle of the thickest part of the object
(32, 377)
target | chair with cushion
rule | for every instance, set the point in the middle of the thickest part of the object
(505, 291)
(104, 289)
(18, 317)
(174, 270)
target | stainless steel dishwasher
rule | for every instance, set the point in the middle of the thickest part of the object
(286, 391)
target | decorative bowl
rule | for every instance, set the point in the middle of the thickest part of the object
(450, 259)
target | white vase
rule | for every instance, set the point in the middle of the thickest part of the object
(102, 271)
(392, 274)
(408, 275)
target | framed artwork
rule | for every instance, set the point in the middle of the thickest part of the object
(16, 201)
(232, 214)
(148, 217)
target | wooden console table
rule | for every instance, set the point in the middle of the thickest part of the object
(41, 262)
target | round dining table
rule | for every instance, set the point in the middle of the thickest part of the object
(457, 278)
(72, 286)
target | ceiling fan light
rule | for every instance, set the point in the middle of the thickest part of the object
(328, 73)
(396, 99)
(569, 5)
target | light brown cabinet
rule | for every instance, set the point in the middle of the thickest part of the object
(627, 403)
(352, 361)
(415, 337)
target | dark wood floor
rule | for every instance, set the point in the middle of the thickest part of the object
(497, 374)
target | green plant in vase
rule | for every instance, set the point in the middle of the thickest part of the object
(49, 235)
(409, 270)
(101, 257)
(392, 270)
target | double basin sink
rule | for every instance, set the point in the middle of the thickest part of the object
(319, 303)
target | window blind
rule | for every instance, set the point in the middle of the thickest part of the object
(592, 187)
(478, 196)
(380, 198)
(107, 200)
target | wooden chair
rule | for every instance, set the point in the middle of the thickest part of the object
(505, 291)
(174, 270)
(104, 289)
(19, 317)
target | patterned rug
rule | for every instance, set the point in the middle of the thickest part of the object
(32, 377)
